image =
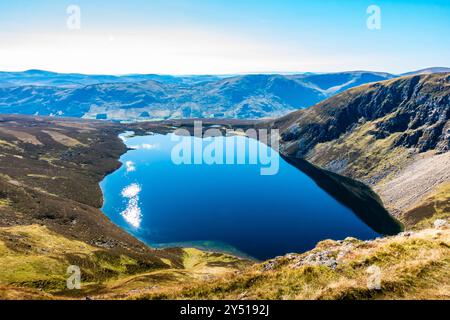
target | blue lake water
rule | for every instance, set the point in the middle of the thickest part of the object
(229, 207)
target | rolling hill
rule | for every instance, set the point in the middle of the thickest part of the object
(36, 77)
(155, 97)
(427, 71)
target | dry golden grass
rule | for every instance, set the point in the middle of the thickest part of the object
(9, 145)
(63, 139)
(412, 267)
(34, 262)
(15, 293)
(435, 206)
(198, 267)
(32, 256)
(22, 136)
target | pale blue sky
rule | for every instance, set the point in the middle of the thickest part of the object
(218, 36)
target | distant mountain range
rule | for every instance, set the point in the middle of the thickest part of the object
(427, 71)
(155, 97)
(72, 80)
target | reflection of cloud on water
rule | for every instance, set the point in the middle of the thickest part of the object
(132, 213)
(131, 191)
(146, 146)
(149, 146)
(130, 166)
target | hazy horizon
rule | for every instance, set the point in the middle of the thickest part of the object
(223, 74)
(222, 38)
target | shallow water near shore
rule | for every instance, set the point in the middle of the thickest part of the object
(230, 208)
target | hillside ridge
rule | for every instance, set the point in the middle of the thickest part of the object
(377, 133)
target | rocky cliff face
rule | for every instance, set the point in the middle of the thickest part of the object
(416, 109)
(378, 132)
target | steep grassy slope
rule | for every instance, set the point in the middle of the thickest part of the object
(34, 262)
(377, 133)
(407, 266)
(435, 205)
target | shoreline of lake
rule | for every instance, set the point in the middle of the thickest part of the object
(147, 236)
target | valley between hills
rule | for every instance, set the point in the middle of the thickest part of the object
(394, 136)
